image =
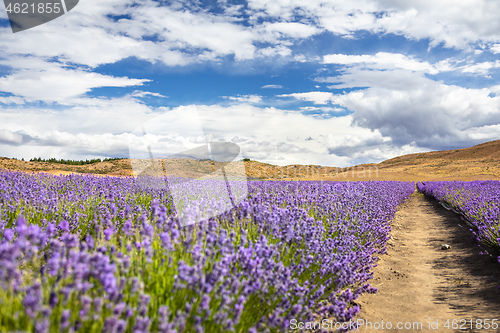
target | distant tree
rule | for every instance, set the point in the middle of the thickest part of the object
(73, 162)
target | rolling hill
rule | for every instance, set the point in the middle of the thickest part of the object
(478, 162)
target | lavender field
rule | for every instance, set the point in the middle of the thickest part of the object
(478, 202)
(102, 254)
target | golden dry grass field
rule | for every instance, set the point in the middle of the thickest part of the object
(474, 163)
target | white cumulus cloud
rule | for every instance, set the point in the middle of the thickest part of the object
(382, 60)
(317, 97)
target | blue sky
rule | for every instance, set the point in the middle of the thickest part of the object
(320, 82)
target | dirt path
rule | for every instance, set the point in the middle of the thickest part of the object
(419, 282)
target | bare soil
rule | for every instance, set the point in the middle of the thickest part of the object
(420, 282)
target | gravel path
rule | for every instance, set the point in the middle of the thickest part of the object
(421, 283)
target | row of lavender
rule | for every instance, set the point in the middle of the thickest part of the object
(102, 254)
(479, 204)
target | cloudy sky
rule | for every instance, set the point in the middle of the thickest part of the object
(311, 82)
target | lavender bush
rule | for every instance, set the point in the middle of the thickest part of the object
(102, 254)
(478, 202)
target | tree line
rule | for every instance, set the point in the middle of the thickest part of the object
(73, 162)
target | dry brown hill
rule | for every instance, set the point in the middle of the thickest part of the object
(114, 168)
(478, 162)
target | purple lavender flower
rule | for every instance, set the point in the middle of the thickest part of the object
(108, 232)
(53, 299)
(42, 326)
(307, 242)
(64, 226)
(478, 204)
(8, 234)
(65, 317)
(33, 300)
